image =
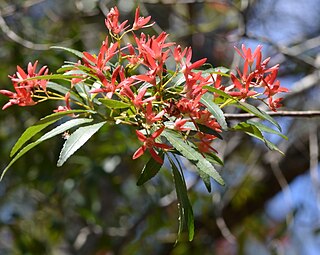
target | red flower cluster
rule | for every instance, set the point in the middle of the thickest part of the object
(256, 76)
(136, 74)
(24, 87)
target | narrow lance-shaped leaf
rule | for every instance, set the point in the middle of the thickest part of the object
(185, 208)
(207, 100)
(213, 158)
(249, 129)
(262, 115)
(55, 77)
(76, 140)
(219, 92)
(62, 90)
(204, 167)
(58, 130)
(264, 128)
(38, 126)
(150, 170)
(75, 52)
(114, 104)
(254, 131)
(223, 71)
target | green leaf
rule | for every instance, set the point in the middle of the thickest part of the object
(208, 130)
(249, 129)
(207, 100)
(221, 70)
(219, 92)
(62, 90)
(257, 112)
(76, 140)
(149, 170)
(54, 77)
(264, 128)
(75, 72)
(254, 131)
(38, 126)
(114, 104)
(185, 208)
(178, 80)
(75, 52)
(272, 146)
(205, 168)
(75, 66)
(217, 70)
(83, 91)
(58, 130)
(213, 158)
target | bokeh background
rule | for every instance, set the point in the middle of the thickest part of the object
(91, 205)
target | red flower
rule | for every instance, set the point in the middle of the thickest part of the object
(21, 77)
(112, 21)
(137, 100)
(272, 86)
(189, 106)
(133, 58)
(178, 54)
(67, 106)
(204, 117)
(22, 97)
(98, 65)
(179, 123)
(149, 143)
(244, 91)
(24, 88)
(140, 22)
(274, 104)
(188, 66)
(152, 53)
(248, 56)
(109, 87)
(150, 116)
(204, 145)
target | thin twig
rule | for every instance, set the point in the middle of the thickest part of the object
(225, 231)
(301, 114)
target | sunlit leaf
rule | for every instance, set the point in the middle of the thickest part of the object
(75, 52)
(213, 158)
(62, 90)
(219, 92)
(178, 80)
(264, 128)
(54, 77)
(257, 112)
(207, 100)
(58, 130)
(38, 126)
(254, 131)
(204, 167)
(83, 91)
(114, 104)
(76, 140)
(273, 147)
(249, 129)
(223, 71)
